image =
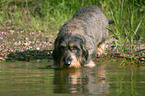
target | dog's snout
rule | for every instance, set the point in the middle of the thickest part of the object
(67, 59)
(67, 63)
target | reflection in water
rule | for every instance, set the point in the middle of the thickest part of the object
(83, 80)
(33, 79)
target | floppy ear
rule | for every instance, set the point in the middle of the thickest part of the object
(55, 57)
(55, 53)
(85, 53)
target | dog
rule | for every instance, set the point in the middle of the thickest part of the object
(81, 39)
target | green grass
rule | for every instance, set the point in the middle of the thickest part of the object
(45, 15)
(130, 29)
(50, 15)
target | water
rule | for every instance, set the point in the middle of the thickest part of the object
(21, 78)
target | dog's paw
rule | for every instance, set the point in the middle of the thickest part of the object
(100, 49)
(90, 64)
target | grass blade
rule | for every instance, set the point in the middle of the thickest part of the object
(113, 33)
(137, 28)
(139, 50)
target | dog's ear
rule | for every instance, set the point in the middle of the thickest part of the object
(55, 56)
(56, 42)
(55, 53)
(85, 53)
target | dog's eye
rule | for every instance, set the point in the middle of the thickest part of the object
(74, 50)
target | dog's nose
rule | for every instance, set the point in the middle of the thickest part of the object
(67, 59)
(67, 63)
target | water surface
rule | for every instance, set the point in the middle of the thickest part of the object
(21, 78)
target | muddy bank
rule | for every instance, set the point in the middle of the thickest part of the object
(17, 43)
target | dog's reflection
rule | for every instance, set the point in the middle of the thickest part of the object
(83, 80)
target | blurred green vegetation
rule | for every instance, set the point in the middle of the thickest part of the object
(49, 15)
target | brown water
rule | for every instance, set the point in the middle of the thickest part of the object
(21, 78)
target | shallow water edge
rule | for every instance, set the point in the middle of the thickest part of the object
(107, 78)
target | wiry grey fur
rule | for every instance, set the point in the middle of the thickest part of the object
(90, 24)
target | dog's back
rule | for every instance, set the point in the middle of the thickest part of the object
(89, 22)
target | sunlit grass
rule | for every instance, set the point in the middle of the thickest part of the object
(50, 15)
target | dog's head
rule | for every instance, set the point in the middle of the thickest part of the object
(70, 51)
